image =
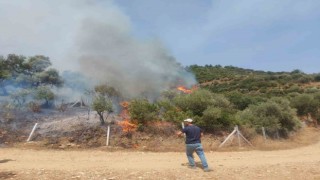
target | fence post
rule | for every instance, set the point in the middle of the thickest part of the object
(264, 133)
(108, 135)
(33, 129)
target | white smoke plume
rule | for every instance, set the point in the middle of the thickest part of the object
(93, 37)
(134, 67)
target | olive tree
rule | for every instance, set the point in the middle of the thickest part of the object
(102, 104)
(44, 93)
(275, 115)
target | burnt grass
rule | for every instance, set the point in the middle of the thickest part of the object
(72, 129)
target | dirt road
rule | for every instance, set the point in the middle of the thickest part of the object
(300, 163)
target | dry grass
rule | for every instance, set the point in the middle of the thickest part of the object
(304, 137)
(156, 143)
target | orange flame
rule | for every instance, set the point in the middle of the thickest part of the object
(126, 125)
(185, 90)
(125, 113)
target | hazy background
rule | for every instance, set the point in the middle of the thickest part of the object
(106, 37)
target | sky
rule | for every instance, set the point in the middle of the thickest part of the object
(268, 35)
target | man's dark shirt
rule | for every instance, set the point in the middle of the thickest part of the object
(193, 134)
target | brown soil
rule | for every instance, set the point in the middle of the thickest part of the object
(28, 161)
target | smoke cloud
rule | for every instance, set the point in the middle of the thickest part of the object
(92, 37)
(111, 55)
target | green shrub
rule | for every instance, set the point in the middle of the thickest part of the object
(216, 119)
(142, 111)
(305, 104)
(275, 115)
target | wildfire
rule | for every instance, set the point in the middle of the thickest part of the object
(126, 125)
(124, 113)
(185, 90)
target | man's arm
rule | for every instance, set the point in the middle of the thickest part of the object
(178, 133)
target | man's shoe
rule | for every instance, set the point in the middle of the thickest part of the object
(207, 170)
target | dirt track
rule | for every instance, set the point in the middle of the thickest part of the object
(300, 163)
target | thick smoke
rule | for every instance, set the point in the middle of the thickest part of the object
(92, 37)
(136, 68)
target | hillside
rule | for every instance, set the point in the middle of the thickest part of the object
(226, 79)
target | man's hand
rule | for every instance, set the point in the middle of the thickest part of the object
(178, 133)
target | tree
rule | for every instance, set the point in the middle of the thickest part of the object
(15, 63)
(4, 74)
(101, 104)
(106, 90)
(275, 115)
(44, 93)
(21, 72)
(36, 64)
(49, 77)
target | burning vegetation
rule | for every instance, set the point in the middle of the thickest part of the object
(30, 87)
(128, 127)
(186, 90)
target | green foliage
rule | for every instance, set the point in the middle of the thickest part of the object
(44, 93)
(317, 77)
(242, 101)
(4, 72)
(50, 77)
(217, 119)
(195, 102)
(220, 79)
(171, 113)
(37, 64)
(211, 111)
(106, 90)
(142, 111)
(24, 72)
(102, 104)
(274, 115)
(305, 103)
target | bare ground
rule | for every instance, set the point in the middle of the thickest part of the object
(104, 163)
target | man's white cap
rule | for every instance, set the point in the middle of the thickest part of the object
(188, 120)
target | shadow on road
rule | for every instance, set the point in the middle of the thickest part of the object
(5, 160)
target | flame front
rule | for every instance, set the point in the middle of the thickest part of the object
(185, 90)
(126, 125)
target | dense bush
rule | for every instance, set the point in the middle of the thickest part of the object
(274, 115)
(242, 101)
(169, 112)
(195, 102)
(142, 111)
(216, 119)
(305, 103)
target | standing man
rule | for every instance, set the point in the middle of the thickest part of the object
(193, 144)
